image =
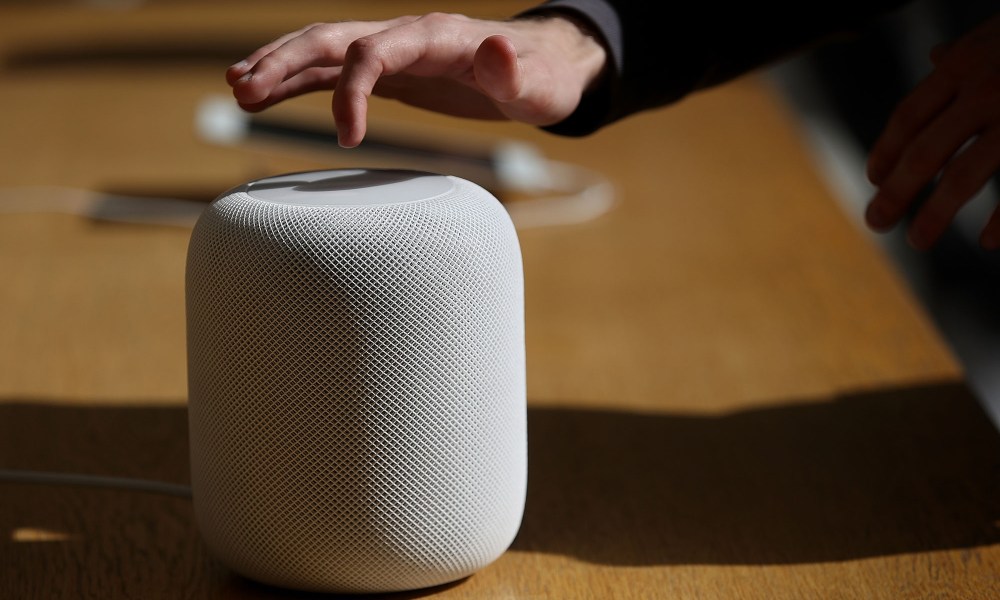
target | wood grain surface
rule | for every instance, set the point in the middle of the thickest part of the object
(731, 394)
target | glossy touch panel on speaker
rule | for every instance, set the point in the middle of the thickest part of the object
(357, 379)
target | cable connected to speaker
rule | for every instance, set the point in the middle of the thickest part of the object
(101, 481)
(554, 193)
(559, 193)
(98, 206)
(578, 195)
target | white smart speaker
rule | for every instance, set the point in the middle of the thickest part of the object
(357, 379)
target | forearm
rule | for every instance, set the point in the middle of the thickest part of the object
(659, 54)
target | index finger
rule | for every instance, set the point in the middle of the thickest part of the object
(428, 42)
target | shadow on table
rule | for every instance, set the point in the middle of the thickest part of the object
(896, 471)
(887, 472)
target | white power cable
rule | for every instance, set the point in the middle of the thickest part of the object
(102, 207)
(558, 193)
(563, 193)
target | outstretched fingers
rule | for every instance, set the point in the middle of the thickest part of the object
(945, 134)
(922, 152)
(295, 63)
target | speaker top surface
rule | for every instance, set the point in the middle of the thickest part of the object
(349, 187)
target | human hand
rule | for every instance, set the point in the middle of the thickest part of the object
(949, 125)
(532, 70)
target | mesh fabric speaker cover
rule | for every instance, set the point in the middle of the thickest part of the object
(357, 388)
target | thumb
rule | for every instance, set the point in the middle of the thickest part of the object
(497, 70)
(513, 84)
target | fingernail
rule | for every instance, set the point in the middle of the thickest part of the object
(246, 77)
(876, 217)
(240, 65)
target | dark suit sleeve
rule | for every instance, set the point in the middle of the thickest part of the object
(659, 52)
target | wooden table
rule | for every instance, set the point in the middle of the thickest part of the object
(731, 393)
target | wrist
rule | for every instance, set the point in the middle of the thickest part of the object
(591, 54)
(577, 41)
